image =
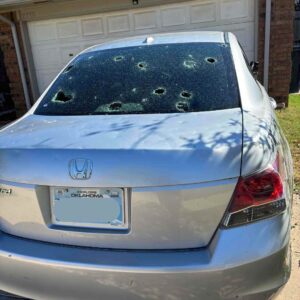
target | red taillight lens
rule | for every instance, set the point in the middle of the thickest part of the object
(257, 196)
(257, 190)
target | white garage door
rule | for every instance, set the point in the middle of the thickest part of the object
(54, 42)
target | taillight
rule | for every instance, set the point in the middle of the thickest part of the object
(257, 197)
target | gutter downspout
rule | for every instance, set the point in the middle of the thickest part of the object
(19, 59)
(267, 43)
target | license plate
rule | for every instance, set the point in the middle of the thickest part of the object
(89, 207)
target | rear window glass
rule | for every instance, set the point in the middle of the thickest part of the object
(165, 78)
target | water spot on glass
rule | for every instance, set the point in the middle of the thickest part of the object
(190, 64)
(190, 56)
(134, 90)
(118, 58)
(186, 95)
(45, 105)
(90, 57)
(210, 60)
(142, 65)
(70, 78)
(145, 100)
(160, 91)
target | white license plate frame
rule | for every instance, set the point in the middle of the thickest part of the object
(121, 223)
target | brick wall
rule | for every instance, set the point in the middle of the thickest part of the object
(281, 45)
(12, 69)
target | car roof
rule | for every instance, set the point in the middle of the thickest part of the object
(162, 38)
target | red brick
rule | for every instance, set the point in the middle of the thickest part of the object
(12, 69)
(281, 44)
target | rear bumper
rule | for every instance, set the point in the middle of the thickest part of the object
(248, 262)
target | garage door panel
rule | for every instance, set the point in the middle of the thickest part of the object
(55, 42)
(145, 20)
(234, 9)
(203, 13)
(43, 32)
(173, 16)
(118, 23)
(46, 56)
(68, 29)
(92, 26)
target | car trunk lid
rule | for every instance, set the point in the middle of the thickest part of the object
(178, 172)
(127, 151)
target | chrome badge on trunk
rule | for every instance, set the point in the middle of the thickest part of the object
(80, 169)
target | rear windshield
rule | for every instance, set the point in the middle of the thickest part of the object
(165, 78)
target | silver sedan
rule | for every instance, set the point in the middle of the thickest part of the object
(151, 168)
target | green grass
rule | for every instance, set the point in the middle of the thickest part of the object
(289, 119)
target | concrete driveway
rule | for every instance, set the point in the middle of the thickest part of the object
(292, 289)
